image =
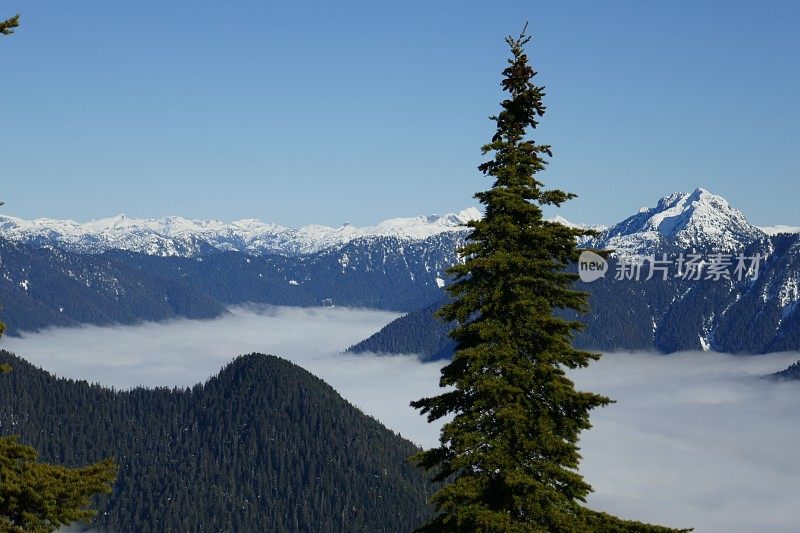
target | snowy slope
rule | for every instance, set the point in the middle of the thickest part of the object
(570, 224)
(698, 220)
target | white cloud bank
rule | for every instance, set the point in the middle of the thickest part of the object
(696, 439)
(185, 352)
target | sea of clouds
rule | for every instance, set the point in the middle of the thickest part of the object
(695, 439)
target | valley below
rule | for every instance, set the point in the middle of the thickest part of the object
(162, 333)
(692, 434)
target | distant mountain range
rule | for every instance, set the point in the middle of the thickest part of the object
(124, 270)
(41, 285)
(177, 236)
(262, 446)
(697, 219)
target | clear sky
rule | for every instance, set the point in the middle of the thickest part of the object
(325, 112)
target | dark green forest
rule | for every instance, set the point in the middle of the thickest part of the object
(666, 316)
(262, 446)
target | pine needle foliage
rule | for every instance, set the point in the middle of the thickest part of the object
(8, 25)
(508, 458)
(41, 497)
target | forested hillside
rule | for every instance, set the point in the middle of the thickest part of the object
(754, 315)
(263, 446)
(43, 286)
(418, 332)
(379, 273)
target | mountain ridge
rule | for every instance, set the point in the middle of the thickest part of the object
(405, 273)
(176, 235)
(263, 445)
(699, 219)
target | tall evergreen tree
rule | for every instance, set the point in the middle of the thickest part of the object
(509, 457)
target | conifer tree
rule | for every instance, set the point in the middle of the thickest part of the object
(508, 460)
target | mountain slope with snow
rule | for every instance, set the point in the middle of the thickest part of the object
(698, 220)
(757, 314)
(398, 264)
(177, 236)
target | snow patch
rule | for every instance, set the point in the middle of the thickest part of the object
(788, 293)
(704, 344)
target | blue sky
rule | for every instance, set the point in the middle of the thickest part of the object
(301, 112)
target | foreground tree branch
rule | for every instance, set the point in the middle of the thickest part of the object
(8, 25)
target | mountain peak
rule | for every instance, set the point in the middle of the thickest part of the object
(700, 220)
(469, 214)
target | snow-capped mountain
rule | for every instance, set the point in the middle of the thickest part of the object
(145, 269)
(177, 236)
(698, 220)
(757, 314)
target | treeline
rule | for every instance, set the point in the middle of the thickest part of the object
(415, 333)
(791, 373)
(263, 446)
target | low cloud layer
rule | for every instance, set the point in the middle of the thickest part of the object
(185, 352)
(695, 439)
